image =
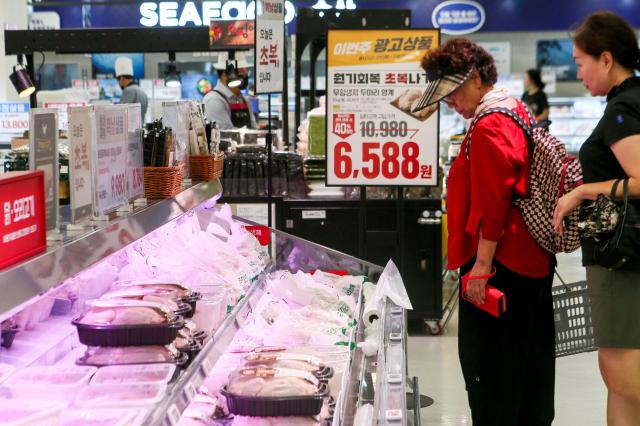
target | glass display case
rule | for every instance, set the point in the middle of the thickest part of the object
(238, 296)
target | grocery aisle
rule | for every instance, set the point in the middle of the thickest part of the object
(580, 393)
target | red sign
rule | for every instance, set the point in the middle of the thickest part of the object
(22, 221)
(262, 233)
(231, 33)
(344, 125)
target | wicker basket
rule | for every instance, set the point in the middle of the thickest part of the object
(162, 182)
(218, 165)
(206, 167)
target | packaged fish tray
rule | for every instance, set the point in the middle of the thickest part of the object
(271, 392)
(127, 323)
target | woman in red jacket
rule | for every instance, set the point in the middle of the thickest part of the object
(508, 362)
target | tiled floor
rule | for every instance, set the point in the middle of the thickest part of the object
(580, 394)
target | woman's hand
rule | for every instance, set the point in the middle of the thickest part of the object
(565, 205)
(476, 288)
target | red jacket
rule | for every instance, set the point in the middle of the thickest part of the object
(480, 198)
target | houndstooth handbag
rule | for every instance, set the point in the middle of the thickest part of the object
(553, 173)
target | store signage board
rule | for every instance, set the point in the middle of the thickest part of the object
(269, 50)
(43, 155)
(373, 79)
(233, 34)
(110, 158)
(135, 163)
(63, 111)
(82, 138)
(174, 14)
(22, 219)
(458, 17)
(14, 117)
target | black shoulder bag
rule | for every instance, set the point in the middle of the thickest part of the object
(621, 246)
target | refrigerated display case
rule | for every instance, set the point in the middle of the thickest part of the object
(239, 285)
(574, 119)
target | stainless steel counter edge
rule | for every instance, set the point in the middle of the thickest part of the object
(21, 283)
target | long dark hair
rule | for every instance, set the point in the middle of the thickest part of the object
(607, 32)
(534, 75)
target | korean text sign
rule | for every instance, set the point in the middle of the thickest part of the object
(270, 60)
(82, 138)
(22, 219)
(43, 155)
(374, 79)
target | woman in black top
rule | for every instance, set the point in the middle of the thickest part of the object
(606, 52)
(534, 95)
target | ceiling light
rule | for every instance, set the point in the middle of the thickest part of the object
(172, 75)
(21, 80)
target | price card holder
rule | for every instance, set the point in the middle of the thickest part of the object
(43, 156)
(206, 367)
(82, 138)
(110, 159)
(269, 48)
(173, 414)
(135, 163)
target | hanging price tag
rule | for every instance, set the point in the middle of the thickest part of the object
(373, 136)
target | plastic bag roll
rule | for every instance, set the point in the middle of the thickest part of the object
(372, 312)
(369, 290)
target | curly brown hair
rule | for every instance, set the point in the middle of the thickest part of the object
(459, 55)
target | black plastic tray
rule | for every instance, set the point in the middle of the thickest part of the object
(284, 406)
(128, 335)
(185, 310)
(192, 349)
(181, 362)
(192, 299)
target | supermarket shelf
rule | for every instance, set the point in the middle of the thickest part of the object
(21, 283)
(181, 393)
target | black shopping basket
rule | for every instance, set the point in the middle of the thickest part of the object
(572, 315)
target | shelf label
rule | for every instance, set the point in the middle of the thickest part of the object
(374, 82)
(14, 117)
(135, 163)
(43, 155)
(206, 367)
(314, 214)
(173, 414)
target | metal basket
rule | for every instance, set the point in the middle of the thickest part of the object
(572, 315)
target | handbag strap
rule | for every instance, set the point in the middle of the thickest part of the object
(614, 189)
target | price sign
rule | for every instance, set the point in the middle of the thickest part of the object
(262, 233)
(82, 137)
(43, 155)
(63, 111)
(135, 165)
(14, 117)
(92, 87)
(269, 50)
(224, 34)
(373, 138)
(22, 216)
(110, 157)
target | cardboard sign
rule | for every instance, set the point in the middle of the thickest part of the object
(269, 50)
(374, 79)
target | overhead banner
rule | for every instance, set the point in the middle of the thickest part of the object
(269, 50)
(374, 79)
(226, 35)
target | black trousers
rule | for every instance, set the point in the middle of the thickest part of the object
(508, 363)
